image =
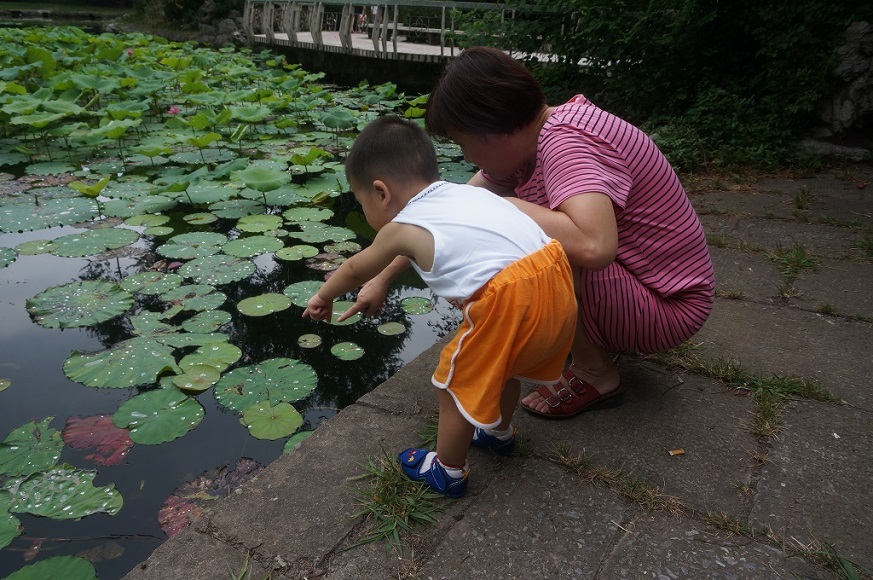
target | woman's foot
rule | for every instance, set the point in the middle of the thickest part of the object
(579, 390)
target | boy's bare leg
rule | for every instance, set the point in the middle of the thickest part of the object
(455, 432)
(508, 403)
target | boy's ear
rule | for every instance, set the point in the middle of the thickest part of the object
(383, 191)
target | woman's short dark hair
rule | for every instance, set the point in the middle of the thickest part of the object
(392, 147)
(483, 90)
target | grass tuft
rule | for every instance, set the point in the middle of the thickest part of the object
(792, 261)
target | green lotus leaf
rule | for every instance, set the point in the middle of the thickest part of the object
(317, 232)
(203, 141)
(264, 304)
(236, 208)
(62, 493)
(266, 421)
(347, 351)
(30, 448)
(391, 328)
(313, 214)
(90, 189)
(338, 118)
(200, 218)
(5, 384)
(147, 220)
(301, 292)
(259, 223)
(325, 262)
(35, 247)
(133, 362)
(309, 341)
(25, 216)
(186, 339)
(277, 380)
(151, 283)
(10, 527)
(254, 114)
(114, 129)
(204, 322)
(150, 324)
(262, 178)
(416, 305)
(92, 242)
(324, 186)
(125, 208)
(49, 168)
(66, 567)
(158, 416)
(201, 156)
(219, 355)
(7, 256)
(79, 304)
(339, 308)
(252, 246)
(38, 120)
(218, 269)
(298, 252)
(283, 196)
(158, 231)
(197, 297)
(192, 245)
(295, 440)
(197, 378)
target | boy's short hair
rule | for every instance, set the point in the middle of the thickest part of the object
(483, 91)
(392, 147)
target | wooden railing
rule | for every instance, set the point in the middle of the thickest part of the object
(304, 22)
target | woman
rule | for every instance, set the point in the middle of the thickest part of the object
(600, 186)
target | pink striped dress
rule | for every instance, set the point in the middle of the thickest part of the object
(659, 290)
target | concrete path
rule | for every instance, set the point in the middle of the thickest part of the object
(600, 496)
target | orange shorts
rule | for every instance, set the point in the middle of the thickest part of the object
(519, 325)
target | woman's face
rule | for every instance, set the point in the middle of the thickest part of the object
(494, 154)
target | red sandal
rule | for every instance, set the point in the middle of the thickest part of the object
(577, 396)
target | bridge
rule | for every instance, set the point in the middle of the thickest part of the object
(404, 41)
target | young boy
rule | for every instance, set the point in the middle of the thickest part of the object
(483, 255)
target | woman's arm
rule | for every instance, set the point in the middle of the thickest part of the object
(584, 224)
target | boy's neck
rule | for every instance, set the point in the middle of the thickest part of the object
(410, 190)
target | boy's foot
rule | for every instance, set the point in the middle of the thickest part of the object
(483, 440)
(422, 465)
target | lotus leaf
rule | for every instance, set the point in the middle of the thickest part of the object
(197, 378)
(148, 220)
(111, 443)
(343, 248)
(151, 283)
(264, 304)
(259, 223)
(10, 527)
(266, 421)
(138, 361)
(158, 416)
(196, 297)
(416, 305)
(217, 355)
(261, 178)
(326, 185)
(7, 256)
(158, 231)
(338, 118)
(186, 339)
(235, 208)
(30, 448)
(49, 168)
(339, 308)
(125, 208)
(391, 328)
(325, 262)
(62, 493)
(5, 384)
(316, 232)
(308, 341)
(150, 324)
(252, 246)
(295, 440)
(301, 292)
(276, 380)
(201, 219)
(66, 567)
(79, 304)
(314, 214)
(347, 351)
(93, 242)
(35, 247)
(298, 252)
(254, 114)
(192, 245)
(218, 269)
(24, 216)
(282, 196)
(204, 322)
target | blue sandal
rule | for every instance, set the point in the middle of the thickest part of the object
(483, 440)
(437, 478)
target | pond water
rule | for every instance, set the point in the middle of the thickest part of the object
(32, 358)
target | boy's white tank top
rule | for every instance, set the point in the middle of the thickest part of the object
(476, 234)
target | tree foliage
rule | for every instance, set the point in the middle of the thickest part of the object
(715, 82)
